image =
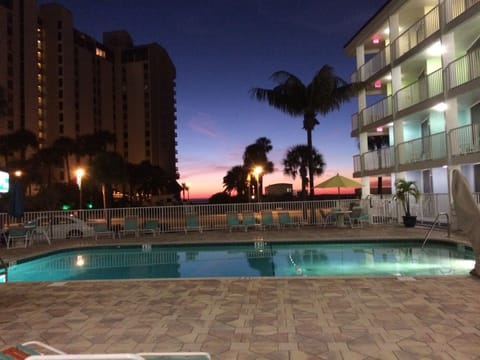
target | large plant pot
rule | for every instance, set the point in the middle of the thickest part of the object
(409, 221)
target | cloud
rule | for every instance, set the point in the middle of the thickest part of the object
(203, 124)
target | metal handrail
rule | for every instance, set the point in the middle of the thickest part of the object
(433, 225)
(5, 269)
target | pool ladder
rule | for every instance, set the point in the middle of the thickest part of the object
(433, 225)
(3, 269)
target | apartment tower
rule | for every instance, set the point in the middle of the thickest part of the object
(59, 81)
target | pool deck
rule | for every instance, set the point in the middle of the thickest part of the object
(251, 318)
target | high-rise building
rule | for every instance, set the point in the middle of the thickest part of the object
(59, 81)
(419, 117)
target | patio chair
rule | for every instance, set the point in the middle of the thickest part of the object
(101, 229)
(192, 223)
(36, 350)
(249, 221)
(17, 232)
(285, 220)
(330, 217)
(358, 217)
(233, 222)
(267, 220)
(130, 226)
(151, 227)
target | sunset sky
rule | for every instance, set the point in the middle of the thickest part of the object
(223, 48)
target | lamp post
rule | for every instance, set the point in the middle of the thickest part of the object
(79, 173)
(257, 171)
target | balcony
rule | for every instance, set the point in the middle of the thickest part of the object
(355, 124)
(421, 90)
(428, 148)
(382, 159)
(455, 8)
(465, 140)
(464, 69)
(417, 33)
(374, 65)
(379, 111)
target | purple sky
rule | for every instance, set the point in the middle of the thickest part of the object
(223, 48)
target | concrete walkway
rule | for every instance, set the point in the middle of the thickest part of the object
(257, 318)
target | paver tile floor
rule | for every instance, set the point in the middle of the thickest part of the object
(250, 318)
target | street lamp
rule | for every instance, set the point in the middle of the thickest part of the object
(79, 173)
(257, 171)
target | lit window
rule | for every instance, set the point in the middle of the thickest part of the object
(99, 52)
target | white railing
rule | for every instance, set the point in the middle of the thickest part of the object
(357, 163)
(427, 148)
(455, 8)
(464, 69)
(416, 33)
(355, 122)
(378, 111)
(421, 90)
(379, 159)
(375, 64)
(465, 139)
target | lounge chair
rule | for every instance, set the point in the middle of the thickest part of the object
(17, 232)
(267, 220)
(233, 222)
(130, 226)
(249, 221)
(101, 229)
(151, 227)
(192, 223)
(285, 220)
(36, 350)
(358, 217)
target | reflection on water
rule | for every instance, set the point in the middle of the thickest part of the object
(245, 260)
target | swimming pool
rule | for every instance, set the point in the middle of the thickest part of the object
(291, 259)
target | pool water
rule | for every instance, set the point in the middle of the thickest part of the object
(386, 258)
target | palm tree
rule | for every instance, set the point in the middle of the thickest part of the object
(66, 146)
(5, 149)
(92, 144)
(44, 160)
(236, 180)
(108, 168)
(325, 93)
(256, 155)
(296, 163)
(21, 139)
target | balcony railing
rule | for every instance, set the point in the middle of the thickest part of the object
(421, 90)
(355, 122)
(465, 139)
(357, 163)
(375, 64)
(464, 69)
(455, 8)
(416, 33)
(379, 159)
(427, 148)
(378, 111)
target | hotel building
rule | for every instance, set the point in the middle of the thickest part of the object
(420, 60)
(59, 81)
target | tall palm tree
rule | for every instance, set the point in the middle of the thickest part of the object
(92, 144)
(108, 168)
(296, 163)
(236, 180)
(256, 155)
(44, 160)
(325, 93)
(21, 139)
(66, 146)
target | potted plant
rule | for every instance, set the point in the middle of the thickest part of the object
(405, 191)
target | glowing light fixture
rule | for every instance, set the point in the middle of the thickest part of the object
(440, 107)
(436, 49)
(378, 84)
(380, 129)
(376, 39)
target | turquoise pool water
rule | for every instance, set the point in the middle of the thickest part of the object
(386, 258)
